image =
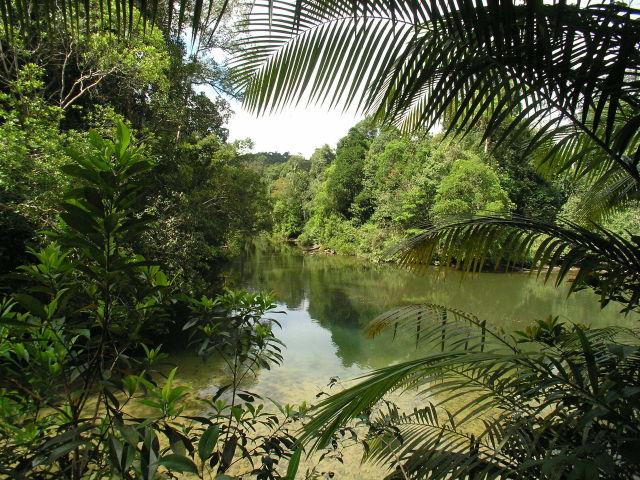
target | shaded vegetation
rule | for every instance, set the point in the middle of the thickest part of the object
(55, 87)
(74, 357)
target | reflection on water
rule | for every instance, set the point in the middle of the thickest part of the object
(327, 300)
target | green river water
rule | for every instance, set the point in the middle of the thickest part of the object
(327, 300)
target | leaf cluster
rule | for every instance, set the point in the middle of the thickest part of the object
(73, 361)
(556, 401)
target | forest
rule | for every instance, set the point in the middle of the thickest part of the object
(380, 185)
(56, 91)
(497, 137)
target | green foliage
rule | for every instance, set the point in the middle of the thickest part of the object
(534, 194)
(119, 18)
(321, 159)
(32, 152)
(389, 184)
(88, 301)
(622, 218)
(332, 232)
(519, 69)
(625, 222)
(59, 86)
(288, 210)
(206, 209)
(470, 187)
(556, 401)
(251, 342)
(72, 345)
(403, 175)
(344, 178)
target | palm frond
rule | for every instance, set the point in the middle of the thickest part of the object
(531, 65)
(610, 186)
(316, 50)
(28, 19)
(546, 405)
(429, 446)
(611, 193)
(605, 261)
(456, 341)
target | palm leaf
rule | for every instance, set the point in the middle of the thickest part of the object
(27, 19)
(527, 400)
(456, 339)
(432, 447)
(536, 65)
(612, 192)
(605, 260)
(611, 188)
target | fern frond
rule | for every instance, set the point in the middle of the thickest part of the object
(605, 260)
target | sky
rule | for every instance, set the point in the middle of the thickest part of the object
(298, 130)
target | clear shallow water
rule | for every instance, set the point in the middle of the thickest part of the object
(327, 300)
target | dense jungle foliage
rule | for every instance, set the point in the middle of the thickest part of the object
(380, 185)
(119, 195)
(56, 87)
(75, 364)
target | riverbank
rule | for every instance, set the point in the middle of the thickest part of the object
(341, 237)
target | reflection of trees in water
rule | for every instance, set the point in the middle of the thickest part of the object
(343, 316)
(333, 306)
(271, 266)
(353, 348)
(344, 294)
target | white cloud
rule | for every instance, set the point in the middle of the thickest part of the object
(298, 130)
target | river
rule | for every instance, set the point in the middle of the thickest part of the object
(326, 301)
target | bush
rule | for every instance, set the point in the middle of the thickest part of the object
(73, 344)
(332, 232)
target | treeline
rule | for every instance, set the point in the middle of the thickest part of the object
(380, 185)
(55, 87)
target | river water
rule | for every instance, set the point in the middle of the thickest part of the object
(327, 300)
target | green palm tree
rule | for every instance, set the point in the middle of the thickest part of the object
(570, 72)
(567, 72)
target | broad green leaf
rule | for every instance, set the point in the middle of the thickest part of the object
(178, 463)
(208, 442)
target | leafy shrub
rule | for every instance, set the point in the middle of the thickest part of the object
(470, 187)
(332, 232)
(74, 354)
